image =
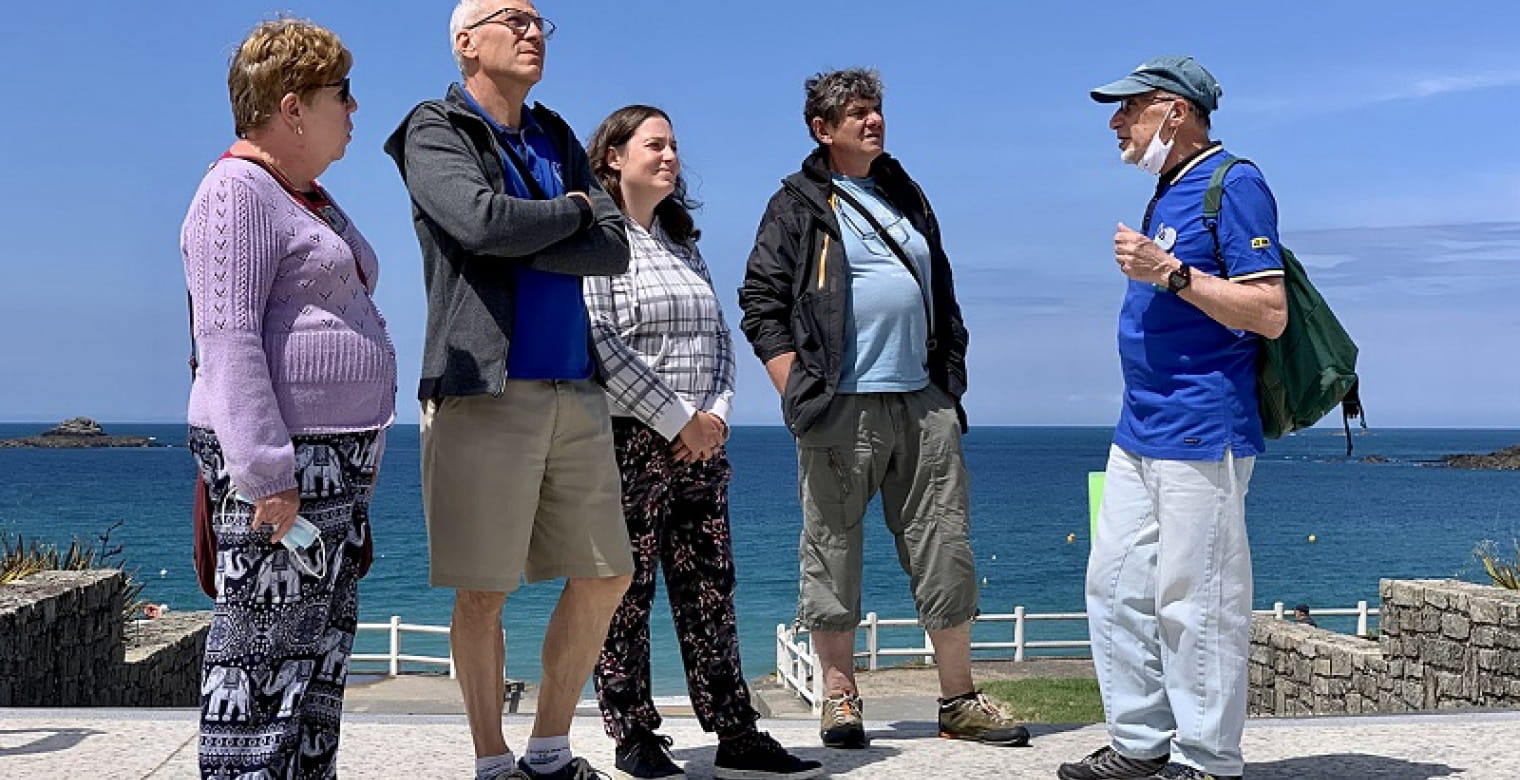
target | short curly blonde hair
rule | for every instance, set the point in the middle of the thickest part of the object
(276, 59)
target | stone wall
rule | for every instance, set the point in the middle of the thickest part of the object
(1444, 645)
(1459, 642)
(63, 644)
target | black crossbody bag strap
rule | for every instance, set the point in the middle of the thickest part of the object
(195, 361)
(902, 256)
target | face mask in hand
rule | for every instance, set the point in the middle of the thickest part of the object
(1156, 152)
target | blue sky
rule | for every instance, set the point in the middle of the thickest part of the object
(1386, 135)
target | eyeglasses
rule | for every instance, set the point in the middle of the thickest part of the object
(1131, 105)
(344, 93)
(517, 21)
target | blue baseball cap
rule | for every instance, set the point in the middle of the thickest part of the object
(1181, 76)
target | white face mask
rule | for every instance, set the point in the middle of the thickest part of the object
(1154, 157)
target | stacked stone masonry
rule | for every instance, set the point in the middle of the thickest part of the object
(63, 643)
(1443, 645)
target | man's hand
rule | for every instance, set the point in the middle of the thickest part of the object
(1140, 259)
(278, 512)
(779, 367)
(700, 439)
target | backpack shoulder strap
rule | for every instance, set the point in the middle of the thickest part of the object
(1213, 195)
(1215, 192)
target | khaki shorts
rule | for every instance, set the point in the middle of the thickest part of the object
(522, 486)
(907, 446)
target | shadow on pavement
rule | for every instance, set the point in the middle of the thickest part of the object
(1346, 765)
(56, 740)
(701, 758)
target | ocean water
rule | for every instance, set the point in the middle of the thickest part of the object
(1403, 518)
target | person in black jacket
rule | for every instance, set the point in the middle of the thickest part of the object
(848, 300)
(519, 479)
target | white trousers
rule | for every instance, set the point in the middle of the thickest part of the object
(1169, 608)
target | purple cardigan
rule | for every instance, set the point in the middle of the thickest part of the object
(290, 340)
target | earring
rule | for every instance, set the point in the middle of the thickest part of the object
(299, 131)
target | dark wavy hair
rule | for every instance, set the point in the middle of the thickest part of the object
(674, 212)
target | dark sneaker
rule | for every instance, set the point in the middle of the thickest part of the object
(980, 719)
(1185, 772)
(1106, 764)
(645, 755)
(841, 724)
(757, 756)
(577, 769)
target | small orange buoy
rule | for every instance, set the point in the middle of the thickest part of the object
(1071, 538)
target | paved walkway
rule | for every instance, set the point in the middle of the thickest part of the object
(58, 743)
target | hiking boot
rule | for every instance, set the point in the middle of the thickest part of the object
(841, 725)
(645, 755)
(758, 756)
(577, 769)
(979, 719)
(1185, 772)
(1106, 764)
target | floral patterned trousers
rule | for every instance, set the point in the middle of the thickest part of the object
(677, 515)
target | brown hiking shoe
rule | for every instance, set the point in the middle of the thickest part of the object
(980, 719)
(841, 724)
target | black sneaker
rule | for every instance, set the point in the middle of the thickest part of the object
(577, 769)
(1185, 772)
(758, 756)
(1106, 764)
(644, 755)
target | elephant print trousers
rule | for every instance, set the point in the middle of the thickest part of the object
(677, 515)
(283, 626)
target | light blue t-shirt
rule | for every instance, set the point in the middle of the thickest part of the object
(886, 330)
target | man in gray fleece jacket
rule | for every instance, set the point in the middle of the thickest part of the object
(519, 480)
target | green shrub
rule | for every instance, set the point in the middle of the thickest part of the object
(21, 558)
(1504, 574)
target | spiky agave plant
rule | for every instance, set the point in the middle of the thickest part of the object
(1504, 574)
(21, 557)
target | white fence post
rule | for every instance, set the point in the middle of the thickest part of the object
(1018, 633)
(1361, 618)
(818, 675)
(1278, 610)
(873, 643)
(781, 659)
(929, 643)
(395, 645)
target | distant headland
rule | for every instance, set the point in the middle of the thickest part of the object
(76, 433)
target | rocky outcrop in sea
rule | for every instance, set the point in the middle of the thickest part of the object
(1507, 459)
(79, 432)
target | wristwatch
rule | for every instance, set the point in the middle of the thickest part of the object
(1178, 280)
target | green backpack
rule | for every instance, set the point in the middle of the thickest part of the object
(1303, 374)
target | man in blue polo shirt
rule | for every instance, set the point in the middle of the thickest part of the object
(519, 477)
(1169, 578)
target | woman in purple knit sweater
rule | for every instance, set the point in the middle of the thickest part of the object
(295, 386)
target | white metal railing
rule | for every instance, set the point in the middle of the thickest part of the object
(797, 666)
(393, 658)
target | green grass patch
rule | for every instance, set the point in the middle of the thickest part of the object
(1049, 701)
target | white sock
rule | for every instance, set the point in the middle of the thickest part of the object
(491, 766)
(546, 755)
